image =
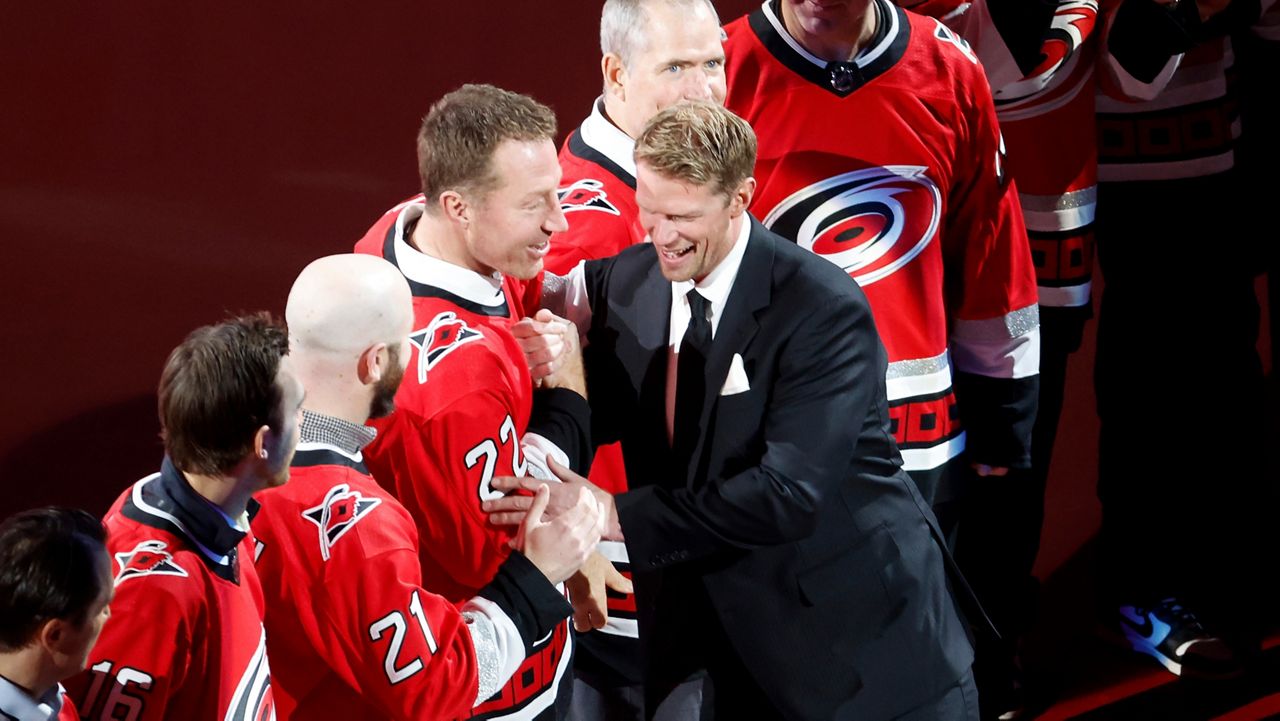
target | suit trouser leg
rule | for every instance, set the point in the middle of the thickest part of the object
(958, 703)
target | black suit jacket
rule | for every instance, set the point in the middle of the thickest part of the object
(793, 524)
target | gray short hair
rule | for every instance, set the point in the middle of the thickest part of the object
(624, 24)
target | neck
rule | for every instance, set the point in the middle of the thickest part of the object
(25, 669)
(832, 40)
(231, 493)
(336, 402)
(443, 240)
(614, 112)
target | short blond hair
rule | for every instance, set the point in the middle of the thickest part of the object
(462, 130)
(699, 143)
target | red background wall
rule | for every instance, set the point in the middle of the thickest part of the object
(163, 164)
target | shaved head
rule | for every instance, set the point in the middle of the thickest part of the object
(349, 322)
(346, 303)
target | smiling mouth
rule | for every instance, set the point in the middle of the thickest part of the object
(676, 254)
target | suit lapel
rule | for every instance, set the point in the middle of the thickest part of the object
(651, 315)
(750, 294)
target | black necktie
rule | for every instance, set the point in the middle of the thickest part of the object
(691, 378)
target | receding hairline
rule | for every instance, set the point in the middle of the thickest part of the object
(625, 24)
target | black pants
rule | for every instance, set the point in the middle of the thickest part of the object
(1180, 396)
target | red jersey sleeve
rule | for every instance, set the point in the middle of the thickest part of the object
(451, 460)
(410, 652)
(992, 295)
(143, 656)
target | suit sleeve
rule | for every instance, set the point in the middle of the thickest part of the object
(828, 369)
(144, 653)
(412, 653)
(992, 298)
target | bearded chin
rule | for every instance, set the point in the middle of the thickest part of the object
(382, 405)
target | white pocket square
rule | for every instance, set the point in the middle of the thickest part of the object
(736, 382)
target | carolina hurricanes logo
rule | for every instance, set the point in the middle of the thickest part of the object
(586, 194)
(945, 34)
(1072, 23)
(338, 513)
(445, 333)
(869, 222)
(148, 558)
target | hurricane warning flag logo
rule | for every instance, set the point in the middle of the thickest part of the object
(341, 509)
(445, 333)
(585, 194)
(148, 558)
(869, 222)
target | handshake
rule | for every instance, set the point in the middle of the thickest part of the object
(560, 522)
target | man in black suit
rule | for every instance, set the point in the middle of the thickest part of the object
(775, 540)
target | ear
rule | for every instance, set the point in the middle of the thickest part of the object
(741, 198)
(455, 207)
(372, 364)
(615, 76)
(263, 441)
(53, 634)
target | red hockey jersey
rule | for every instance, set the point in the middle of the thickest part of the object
(185, 638)
(461, 419)
(1041, 74)
(891, 166)
(597, 194)
(352, 631)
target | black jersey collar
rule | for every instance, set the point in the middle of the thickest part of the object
(885, 49)
(168, 502)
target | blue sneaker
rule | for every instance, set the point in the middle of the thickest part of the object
(1171, 634)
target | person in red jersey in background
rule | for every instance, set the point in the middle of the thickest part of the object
(1041, 76)
(55, 596)
(186, 637)
(352, 631)
(915, 204)
(467, 410)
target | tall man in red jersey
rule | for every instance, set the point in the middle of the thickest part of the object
(186, 640)
(352, 631)
(879, 151)
(467, 411)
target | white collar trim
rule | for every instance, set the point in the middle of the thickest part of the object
(485, 290)
(600, 133)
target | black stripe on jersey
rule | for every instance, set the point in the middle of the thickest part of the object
(825, 76)
(579, 148)
(325, 457)
(422, 290)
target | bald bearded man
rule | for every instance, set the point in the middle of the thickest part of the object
(353, 632)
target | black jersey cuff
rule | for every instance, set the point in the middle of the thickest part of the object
(564, 418)
(998, 414)
(534, 605)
